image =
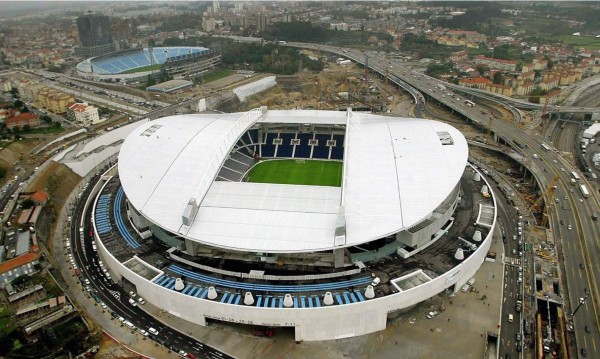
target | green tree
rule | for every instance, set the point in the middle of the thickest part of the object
(18, 104)
(2, 172)
(14, 92)
(27, 203)
(46, 119)
(482, 69)
(498, 78)
(26, 128)
(151, 81)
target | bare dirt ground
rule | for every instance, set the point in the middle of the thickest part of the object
(110, 349)
(58, 181)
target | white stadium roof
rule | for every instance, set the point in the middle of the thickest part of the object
(396, 172)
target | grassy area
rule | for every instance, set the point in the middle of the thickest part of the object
(143, 69)
(6, 321)
(300, 172)
(217, 75)
(590, 43)
(45, 130)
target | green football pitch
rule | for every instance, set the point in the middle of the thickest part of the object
(302, 172)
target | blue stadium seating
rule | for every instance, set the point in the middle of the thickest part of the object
(268, 149)
(285, 149)
(321, 151)
(120, 223)
(142, 58)
(337, 152)
(303, 149)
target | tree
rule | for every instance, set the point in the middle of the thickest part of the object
(26, 128)
(482, 69)
(14, 92)
(498, 78)
(2, 172)
(151, 81)
(27, 203)
(46, 119)
(18, 104)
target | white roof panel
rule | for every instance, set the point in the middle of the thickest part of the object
(396, 172)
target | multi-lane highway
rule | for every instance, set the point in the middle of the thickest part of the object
(578, 236)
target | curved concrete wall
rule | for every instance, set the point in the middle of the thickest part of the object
(325, 323)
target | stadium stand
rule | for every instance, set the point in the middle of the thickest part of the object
(303, 150)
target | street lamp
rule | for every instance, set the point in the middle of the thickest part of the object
(581, 302)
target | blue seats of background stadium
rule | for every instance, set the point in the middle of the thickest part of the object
(303, 149)
(268, 149)
(286, 147)
(129, 63)
(140, 59)
(337, 152)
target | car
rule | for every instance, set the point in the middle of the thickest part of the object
(562, 169)
(182, 353)
(144, 333)
(555, 161)
(520, 280)
(432, 314)
(514, 237)
(518, 337)
(587, 329)
(121, 319)
(141, 300)
(581, 200)
(557, 200)
(569, 227)
(583, 352)
(103, 305)
(581, 266)
(514, 251)
(562, 222)
(132, 294)
(566, 198)
(519, 347)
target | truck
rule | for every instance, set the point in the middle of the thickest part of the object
(442, 87)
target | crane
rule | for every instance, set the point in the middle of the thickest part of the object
(537, 205)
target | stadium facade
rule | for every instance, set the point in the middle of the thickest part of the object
(179, 221)
(136, 64)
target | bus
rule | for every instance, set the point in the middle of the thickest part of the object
(584, 191)
(469, 103)
(545, 147)
(575, 176)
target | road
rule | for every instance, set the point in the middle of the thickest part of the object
(113, 296)
(581, 243)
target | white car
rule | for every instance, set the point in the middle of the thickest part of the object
(132, 294)
(569, 227)
(144, 333)
(432, 314)
(103, 305)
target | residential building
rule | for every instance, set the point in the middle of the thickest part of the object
(339, 26)
(53, 100)
(496, 64)
(551, 97)
(21, 254)
(459, 56)
(83, 114)
(549, 83)
(19, 119)
(499, 89)
(94, 35)
(524, 88)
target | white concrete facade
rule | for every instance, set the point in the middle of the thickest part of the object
(324, 323)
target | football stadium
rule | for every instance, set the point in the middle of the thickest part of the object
(322, 222)
(131, 65)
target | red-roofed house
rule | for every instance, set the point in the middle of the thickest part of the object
(476, 82)
(39, 197)
(83, 114)
(20, 119)
(19, 266)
